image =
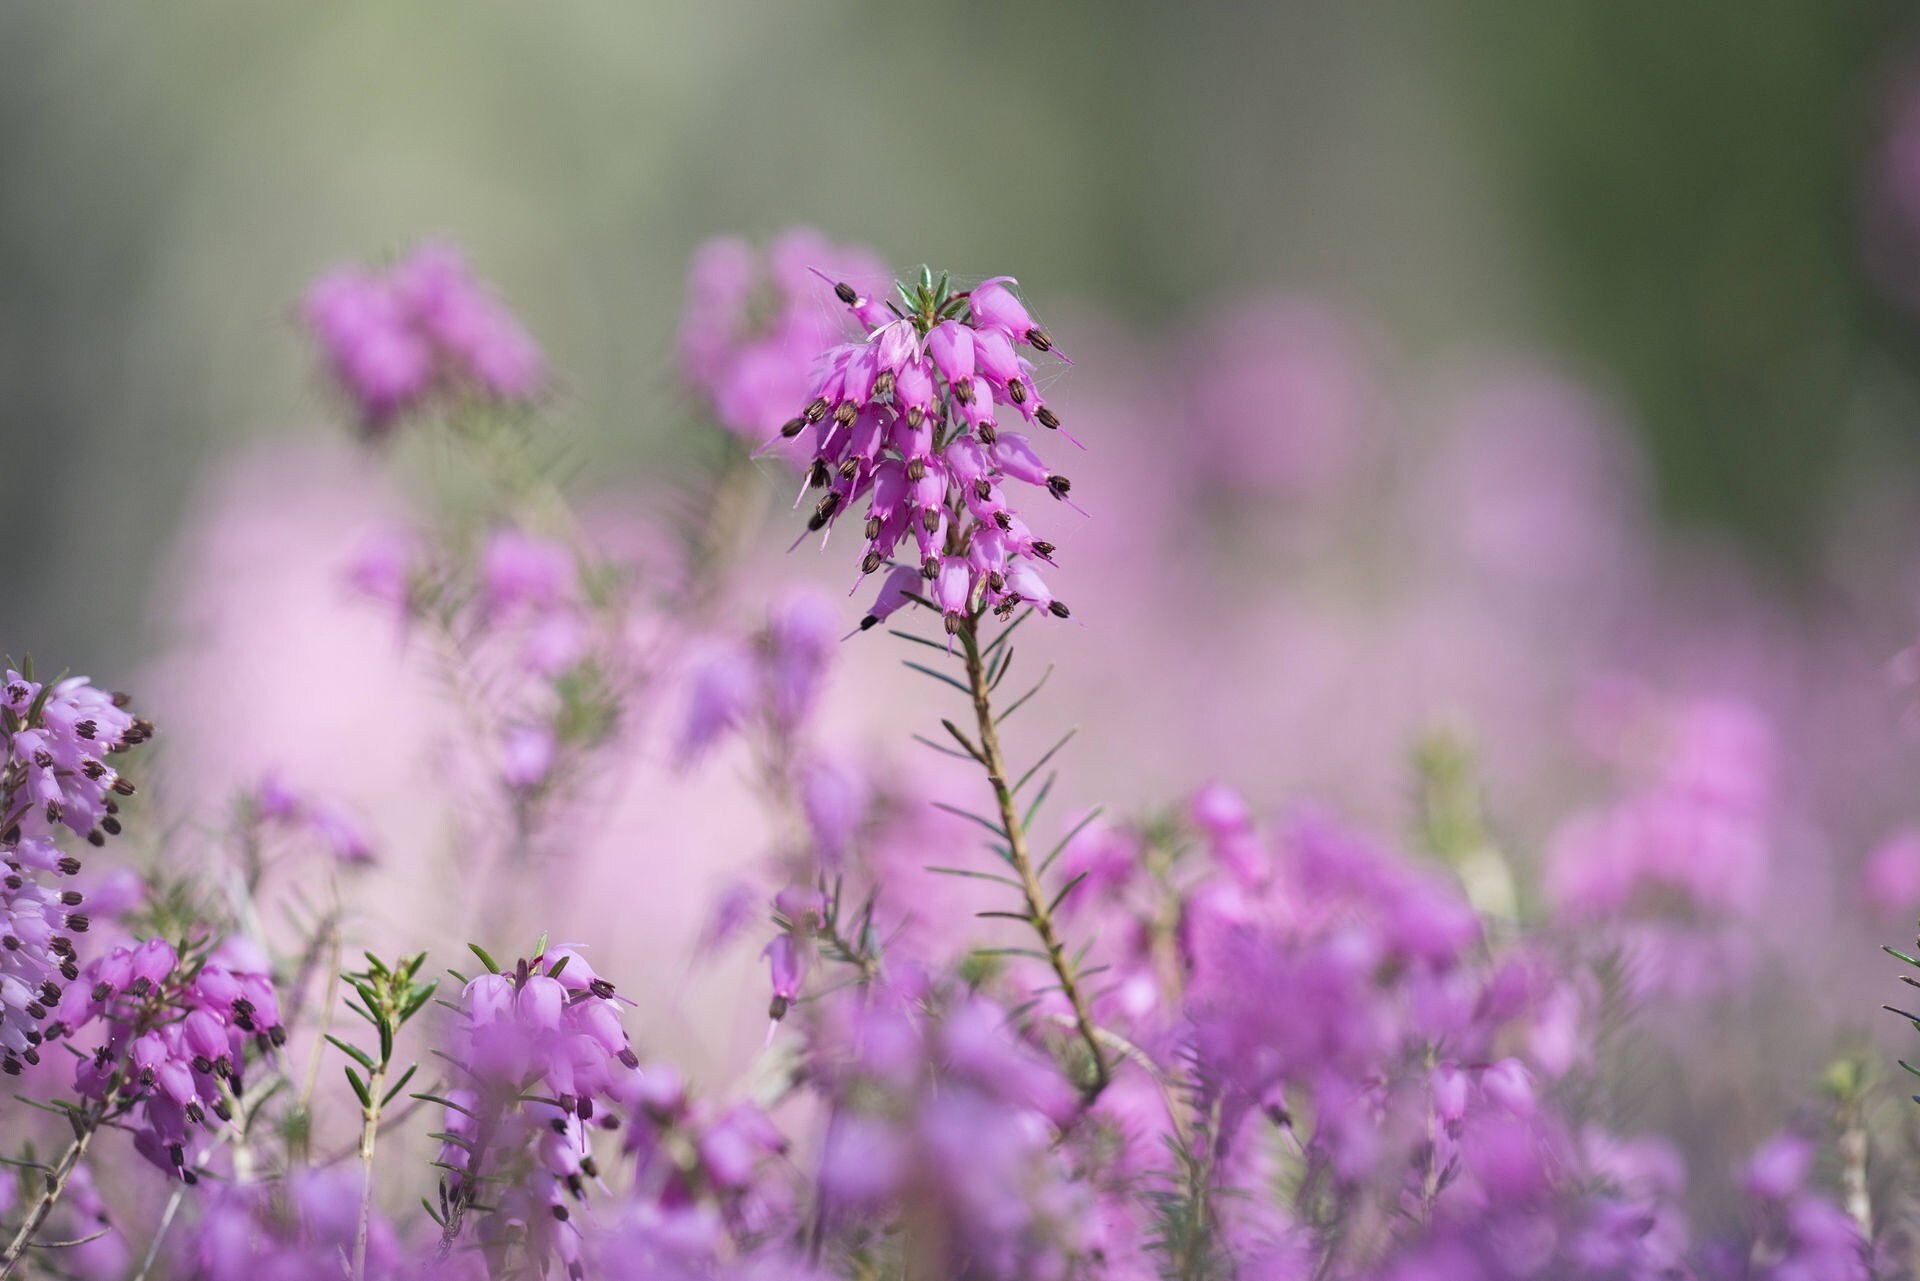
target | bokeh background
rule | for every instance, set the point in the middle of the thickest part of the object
(1673, 203)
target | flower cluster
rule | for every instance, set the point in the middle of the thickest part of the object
(1678, 864)
(938, 1104)
(172, 1032)
(543, 1053)
(906, 418)
(755, 323)
(56, 740)
(424, 330)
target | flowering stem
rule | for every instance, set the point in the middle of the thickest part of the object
(85, 1124)
(988, 753)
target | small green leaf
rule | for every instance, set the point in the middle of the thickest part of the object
(352, 1051)
(485, 960)
(359, 1088)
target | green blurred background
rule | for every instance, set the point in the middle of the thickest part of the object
(1663, 197)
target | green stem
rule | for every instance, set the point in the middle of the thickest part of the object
(991, 758)
(85, 1125)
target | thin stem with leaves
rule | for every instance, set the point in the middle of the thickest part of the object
(982, 673)
(389, 995)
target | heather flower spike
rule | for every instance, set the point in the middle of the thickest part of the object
(907, 420)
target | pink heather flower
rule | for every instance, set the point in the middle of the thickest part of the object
(370, 345)
(905, 420)
(173, 1035)
(526, 756)
(520, 571)
(753, 326)
(1890, 881)
(833, 796)
(543, 1052)
(1779, 1168)
(58, 739)
(340, 831)
(477, 336)
(799, 648)
(786, 964)
(722, 688)
(393, 342)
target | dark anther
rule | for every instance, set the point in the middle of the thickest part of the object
(883, 385)
(1003, 519)
(930, 519)
(78, 922)
(1058, 486)
(983, 489)
(1047, 417)
(844, 292)
(1016, 391)
(814, 412)
(988, 432)
(277, 1034)
(997, 581)
(963, 391)
(930, 568)
(777, 1008)
(824, 512)
(1038, 340)
(873, 528)
(12, 836)
(53, 811)
(844, 413)
(93, 769)
(871, 562)
(818, 476)
(123, 786)
(11, 943)
(86, 729)
(560, 1212)
(71, 897)
(1057, 609)
(628, 1057)
(69, 865)
(849, 468)
(120, 699)
(101, 991)
(43, 758)
(110, 825)
(916, 416)
(1043, 549)
(601, 988)
(916, 468)
(96, 838)
(953, 624)
(793, 427)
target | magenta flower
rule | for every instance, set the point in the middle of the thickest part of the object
(755, 323)
(905, 420)
(425, 332)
